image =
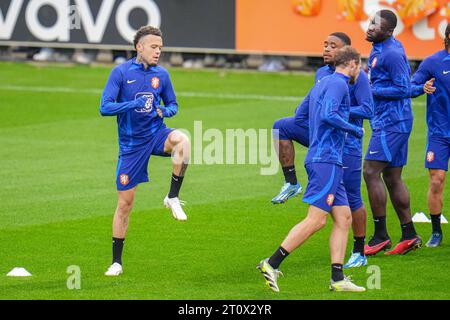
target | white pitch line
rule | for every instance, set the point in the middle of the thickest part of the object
(207, 95)
(180, 93)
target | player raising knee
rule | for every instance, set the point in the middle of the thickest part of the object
(133, 93)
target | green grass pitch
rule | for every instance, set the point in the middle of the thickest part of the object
(57, 198)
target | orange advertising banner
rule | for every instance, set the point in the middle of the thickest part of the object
(274, 26)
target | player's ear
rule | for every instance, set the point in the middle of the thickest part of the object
(139, 46)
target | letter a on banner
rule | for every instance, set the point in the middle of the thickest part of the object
(307, 7)
(351, 10)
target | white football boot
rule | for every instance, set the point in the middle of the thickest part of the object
(345, 285)
(175, 205)
(114, 270)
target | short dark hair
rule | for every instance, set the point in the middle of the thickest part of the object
(447, 34)
(390, 18)
(343, 37)
(145, 31)
(345, 55)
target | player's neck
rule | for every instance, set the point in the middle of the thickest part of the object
(343, 71)
(140, 60)
(383, 40)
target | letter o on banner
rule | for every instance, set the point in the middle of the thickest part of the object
(123, 14)
(59, 31)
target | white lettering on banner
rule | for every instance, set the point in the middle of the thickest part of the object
(60, 31)
(95, 30)
(94, 27)
(8, 20)
(422, 31)
(123, 13)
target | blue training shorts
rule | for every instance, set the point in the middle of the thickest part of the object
(352, 166)
(391, 147)
(290, 130)
(438, 153)
(325, 187)
(132, 167)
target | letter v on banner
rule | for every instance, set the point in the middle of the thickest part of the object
(95, 30)
(8, 20)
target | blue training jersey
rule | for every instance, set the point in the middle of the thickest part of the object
(328, 113)
(361, 107)
(438, 104)
(133, 93)
(390, 75)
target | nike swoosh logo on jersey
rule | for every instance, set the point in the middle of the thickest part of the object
(446, 72)
(373, 152)
(130, 81)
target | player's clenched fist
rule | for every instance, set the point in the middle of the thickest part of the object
(428, 86)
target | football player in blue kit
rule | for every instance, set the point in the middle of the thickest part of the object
(328, 111)
(296, 129)
(389, 74)
(433, 78)
(133, 94)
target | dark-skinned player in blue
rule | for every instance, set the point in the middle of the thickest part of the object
(389, 74)
(296, 129)
(433, 78)
(133, 94)
(328, 111)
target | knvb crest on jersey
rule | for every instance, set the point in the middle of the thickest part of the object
(430, 156)
(155, 82)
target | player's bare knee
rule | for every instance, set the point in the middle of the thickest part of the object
(436, 184)
(343, 220)
(320, 222)
(177, 137)
(180, 143)
(347, 221)
(369, 173)
(124, 207)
